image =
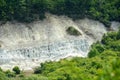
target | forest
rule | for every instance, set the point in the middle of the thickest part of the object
(31, 10)
(103, 63)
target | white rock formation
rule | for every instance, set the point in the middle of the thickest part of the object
(115, 26)
(27, 45)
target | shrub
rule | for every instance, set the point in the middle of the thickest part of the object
(21, 75)
(93, 52)
(118, 35)
(72, 31)
(9, 73)
(96, 49)
(1, 69)
(37, 70)
(2, 76)
(16, 70)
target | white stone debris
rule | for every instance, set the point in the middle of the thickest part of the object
(28, 45)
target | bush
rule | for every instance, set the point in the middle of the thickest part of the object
(2, 76)
(96, 49)
(72, 31)
(16, 70)
(21, 75)
(9, 73)
(118, 35)
(37, 70)
(93, 53)
(35, 77)
(1, 69)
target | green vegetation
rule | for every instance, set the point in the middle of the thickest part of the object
(103, 63)
(37, 70)
(9, 73)
(72, 31)
(30, 10)
(110, 42)
(16, 70)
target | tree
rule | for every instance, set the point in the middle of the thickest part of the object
(118, 35)
(16, 70)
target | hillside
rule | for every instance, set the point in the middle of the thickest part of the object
(54, 38)
(103, 64)
(59, 39)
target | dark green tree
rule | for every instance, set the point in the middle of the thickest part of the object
(16, 70)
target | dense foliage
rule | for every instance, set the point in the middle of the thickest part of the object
(16, 70)
(29, 10)
(103, 63)
(110, 42)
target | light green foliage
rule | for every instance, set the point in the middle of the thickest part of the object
(34, 77)
(3, 76)
(110, 41)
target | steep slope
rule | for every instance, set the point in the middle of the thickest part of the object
(25, 44)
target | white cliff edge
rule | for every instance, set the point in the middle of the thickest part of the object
(28, 45)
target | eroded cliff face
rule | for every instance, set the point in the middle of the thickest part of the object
(27, 45)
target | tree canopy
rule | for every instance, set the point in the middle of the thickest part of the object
(30, 10)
